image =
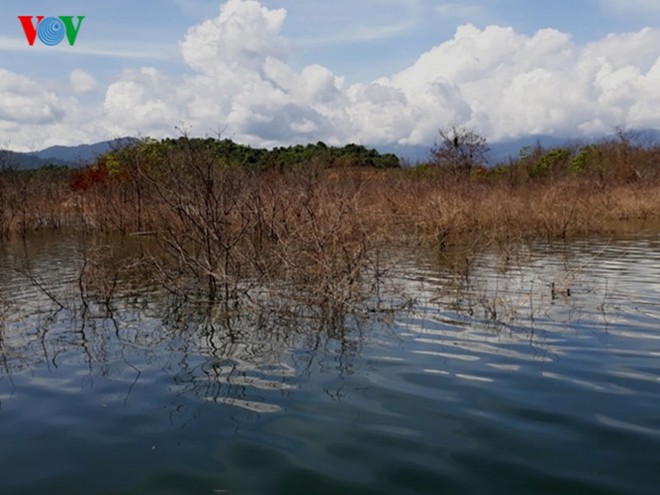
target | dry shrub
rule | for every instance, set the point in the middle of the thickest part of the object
(31, 201)
(319, 234)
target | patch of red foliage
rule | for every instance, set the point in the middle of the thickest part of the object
(87, 177)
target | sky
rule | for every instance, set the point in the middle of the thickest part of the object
(374, 72)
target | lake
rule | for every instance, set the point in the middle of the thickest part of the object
(487, 378)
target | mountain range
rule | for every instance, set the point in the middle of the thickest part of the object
(76, 156)
(70, 156)
(503, 151)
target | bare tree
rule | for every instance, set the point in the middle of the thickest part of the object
(461, 148)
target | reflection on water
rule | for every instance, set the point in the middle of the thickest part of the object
(530, 373)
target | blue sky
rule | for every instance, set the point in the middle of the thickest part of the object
(276, 72)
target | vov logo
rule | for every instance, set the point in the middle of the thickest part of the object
(50, 30)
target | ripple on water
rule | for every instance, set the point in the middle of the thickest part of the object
(498, 386)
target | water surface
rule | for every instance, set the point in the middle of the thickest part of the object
(489, 381)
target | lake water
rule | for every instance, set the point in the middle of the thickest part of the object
(488, 381)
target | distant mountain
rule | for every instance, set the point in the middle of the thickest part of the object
(503, 151)
(19, 161)
(70, 156)
(74, 155)
(499, 151)
(410, 153)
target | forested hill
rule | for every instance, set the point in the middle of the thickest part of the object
(225, 149)
(231, 153)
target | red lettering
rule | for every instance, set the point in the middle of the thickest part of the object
(29, 28)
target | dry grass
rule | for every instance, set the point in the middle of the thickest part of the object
(319, 232)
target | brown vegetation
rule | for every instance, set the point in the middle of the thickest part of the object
(319, 230)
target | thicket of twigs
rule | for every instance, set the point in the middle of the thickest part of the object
(325, 234)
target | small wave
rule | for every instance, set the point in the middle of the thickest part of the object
(258, 407)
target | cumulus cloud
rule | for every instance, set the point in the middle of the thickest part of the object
(239, 80)
(32, 117)
(144, 99)
(241, 37)
(82, 82)
(24, 101)
(504, 83)
(507, 84)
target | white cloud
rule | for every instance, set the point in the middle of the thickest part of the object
(638, 49)
(505, 83)
(240, 80)
(24, 101)
(33, 118)
(142, 100)
(242, 36)
(82, 82)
